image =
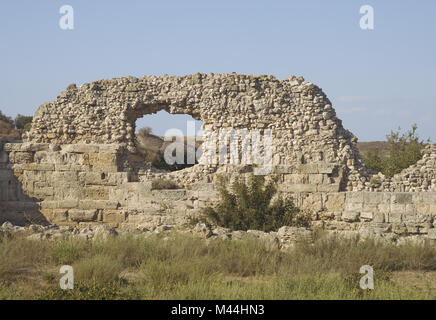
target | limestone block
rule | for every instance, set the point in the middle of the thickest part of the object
(299, 188)
(370, 207)
(327, 168)
(58, 215)
(296, 178)
(96, 192)
(366, 216)
(398, 208)
(372, 197)
(307, 168)
(21, 157)
(399, 228)
(401, 198)
(97, 204)
(353, 206)
(109, 148)
(80, 148)
(350, 216)
(356, 197)
(335, 202)
(334, 187)
(100, 159)
(62, 204)
(395, 217)
(114, 216)
(285, 169)
(423, 208)
(379, 217)
(432, 234)
(82, 215)
(312, 202)
(169, 195)
(429, 198)
(316, 178)
(201, 186)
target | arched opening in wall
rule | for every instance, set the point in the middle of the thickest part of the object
(167, 141)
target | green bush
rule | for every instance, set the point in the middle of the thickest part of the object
(99, 268)
(159, 184)
(91, 290)
(252, 206)
(67, 252)
(404, 149)
(23, 122)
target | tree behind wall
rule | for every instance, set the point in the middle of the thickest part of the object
(404, 150)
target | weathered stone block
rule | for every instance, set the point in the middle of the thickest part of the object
(82, 215)
(432, 234)
(379, 217)
(21, 157)
(296, 178)
(373, 197)
(334, 187)
(98, 204)
(326, 168)
(169, 195)
(99, 159)
(356, 197)
(395, 217)
(284, 169)
(114, 216)
(398, 208)
(311, 168)
(401, 198)
(366, 216)
(316, 178)
(351, 206)
(299, 188)
(429, 198)
(350, 216)
(335, 202)
(96, 193)
(80, 148)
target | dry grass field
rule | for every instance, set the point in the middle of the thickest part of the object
(183, 267)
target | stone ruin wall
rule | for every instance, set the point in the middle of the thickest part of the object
(75, 166)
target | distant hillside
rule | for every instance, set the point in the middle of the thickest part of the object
(150, 146)
(7, 132)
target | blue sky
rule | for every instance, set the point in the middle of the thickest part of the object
(377, 79)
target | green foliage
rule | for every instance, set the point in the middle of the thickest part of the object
(85, 291)
(159, 184)
(254, 206)
(100, 268)
(67, 252)
(23, 122)
(404, 149)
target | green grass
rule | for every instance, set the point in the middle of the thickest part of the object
(185, 267)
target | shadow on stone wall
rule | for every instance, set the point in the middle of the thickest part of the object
(15, 206)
